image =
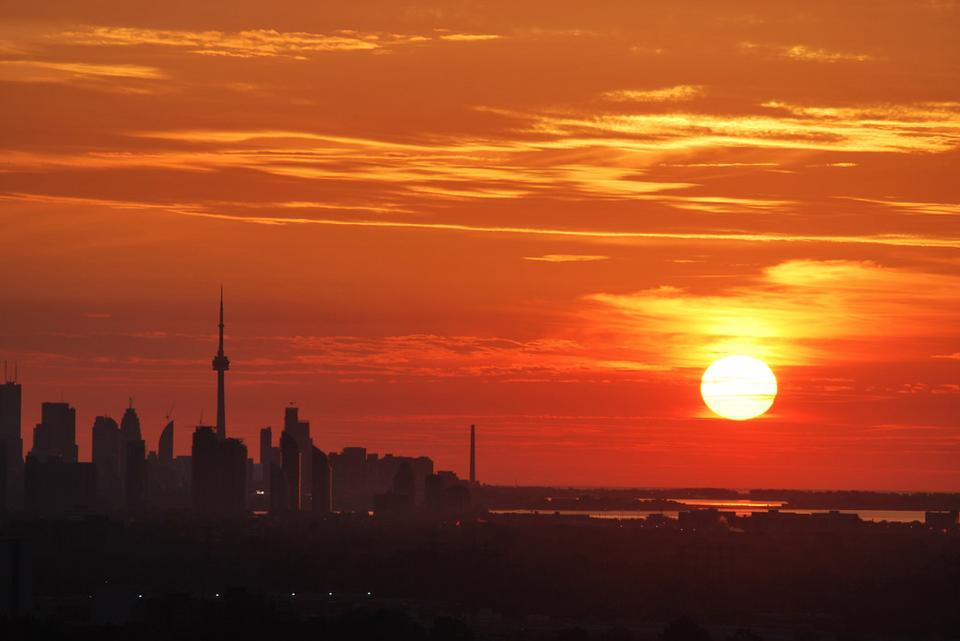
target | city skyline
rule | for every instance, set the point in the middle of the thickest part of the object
(543, 220)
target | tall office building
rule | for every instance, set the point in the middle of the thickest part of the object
(163, 481)
(269, 456)
(219, 473)
(133, 456)
(322, 477)
(203, 460)
(105, 454)
(11, 445)
(300, 431)
(290, 465)
(55, 436)
(473, 456)
(221, 364)
(165, 445)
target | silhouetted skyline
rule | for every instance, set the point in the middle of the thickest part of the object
(545, 220)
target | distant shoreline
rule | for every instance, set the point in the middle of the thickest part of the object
(652, 499)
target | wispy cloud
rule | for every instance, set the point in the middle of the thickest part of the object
(804, 53)
(926, 127)
(566, 258)
(797, 312)
(40, 71)
(234, 214)
(679, 93)
(468, 37)
(253, 43)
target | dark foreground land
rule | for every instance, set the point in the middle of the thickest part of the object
(480, 576)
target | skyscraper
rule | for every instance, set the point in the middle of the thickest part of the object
(290, 465)
(105, 454)
(473, 456)
(133, 453)
(322, 497)
(11, 444)
(221, 364)
(300, 431)
(219, 473)
(165, 445)
(55, 437)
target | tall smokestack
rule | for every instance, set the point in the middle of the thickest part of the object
(473, 455)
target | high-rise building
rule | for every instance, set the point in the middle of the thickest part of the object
(11, 444)
(269, 457)
(203, 460)
(473, 455)
(56, 486)
(105, 454)
(163, 480)
(133, 454)
(55, 436)
(165, 446)
(219, 473)
(290, 465)
(266, 445)
(300, 431)
(221, 364)
(322, 490)
(130, 425)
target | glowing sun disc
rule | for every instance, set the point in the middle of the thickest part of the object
(738, 387)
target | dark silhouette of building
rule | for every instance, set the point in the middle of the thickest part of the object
(135, 475)
(219, 471)
(165, 446)
(55, 437)
(203, 457)
(300, 431)
(321, 493)
(290, 464)
(133, 456)
(279, 493)
(397, 501)
(105, 453)
(403, 480)
(948, 520)
(55, 486)
(221, 364)
(350, 486)
(445, 492)
(359, 476)
(16, 579)
(165, 483)
(11, 445)
(268, 455)
(473, 456)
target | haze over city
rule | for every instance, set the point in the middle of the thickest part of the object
(545, 219)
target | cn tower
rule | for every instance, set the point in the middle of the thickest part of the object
(221, 363)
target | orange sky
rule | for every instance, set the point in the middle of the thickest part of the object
(544, 218)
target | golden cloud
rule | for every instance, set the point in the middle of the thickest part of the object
(794, 312)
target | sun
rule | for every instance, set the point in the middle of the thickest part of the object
(738, 387)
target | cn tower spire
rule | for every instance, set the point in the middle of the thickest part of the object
(221, 364)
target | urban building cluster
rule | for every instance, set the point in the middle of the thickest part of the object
(218, 477)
